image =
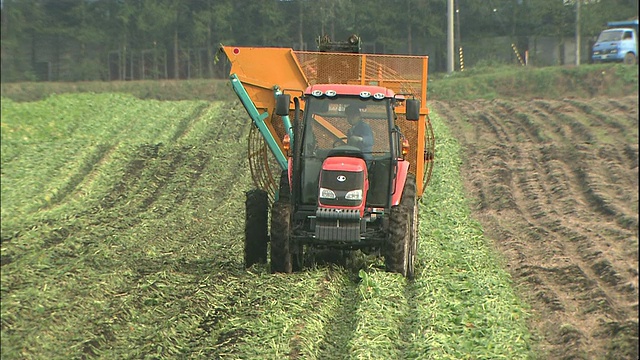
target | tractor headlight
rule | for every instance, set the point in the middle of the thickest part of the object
(327, 193)
(354, 195)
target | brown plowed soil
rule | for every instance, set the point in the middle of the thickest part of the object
(555, 185)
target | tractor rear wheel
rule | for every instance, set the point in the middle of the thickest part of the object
(402, 240)
(255, 227)
(281, 259)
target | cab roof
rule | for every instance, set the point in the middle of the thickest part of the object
(346, 89)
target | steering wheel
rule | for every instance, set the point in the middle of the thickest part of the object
(340, 141)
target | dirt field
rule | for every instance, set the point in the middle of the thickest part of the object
(555, 185)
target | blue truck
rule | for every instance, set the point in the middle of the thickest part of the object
(618, 43)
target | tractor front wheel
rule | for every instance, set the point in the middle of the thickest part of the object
(398, 248)
(413, 244)
(255, 227)
(402, 240)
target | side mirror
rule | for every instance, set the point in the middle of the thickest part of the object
(413, 109)
(282, 104)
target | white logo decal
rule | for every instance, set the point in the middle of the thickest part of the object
(341, 178)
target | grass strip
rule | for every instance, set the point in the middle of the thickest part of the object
(464, 303)
(325, 330)
(380, 316)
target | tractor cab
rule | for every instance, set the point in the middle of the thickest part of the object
(346, 168)
(352, 130)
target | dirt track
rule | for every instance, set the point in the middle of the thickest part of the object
(555, 185)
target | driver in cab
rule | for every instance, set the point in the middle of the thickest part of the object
(360, 134)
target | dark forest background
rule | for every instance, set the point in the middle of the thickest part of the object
(76, 40)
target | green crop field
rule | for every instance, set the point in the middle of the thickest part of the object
(122, 233)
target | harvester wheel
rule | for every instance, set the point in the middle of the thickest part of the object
(402, 240)
(255, 227)
(280, 236)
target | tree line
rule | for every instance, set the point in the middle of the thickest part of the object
(73, 40)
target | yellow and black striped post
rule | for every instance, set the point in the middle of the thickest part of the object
(515, 50)
(461, 58)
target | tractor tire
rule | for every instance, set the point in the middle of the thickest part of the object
(284, 190)
(255, 227)
(297, 257)
(629, 59)
(413, 245)
(281, 259)
(401, 246)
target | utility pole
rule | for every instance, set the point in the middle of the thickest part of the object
(450, 49)
(578, 32)
(458, 41)
(457, 5)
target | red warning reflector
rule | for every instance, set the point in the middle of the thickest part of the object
(236, 51)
